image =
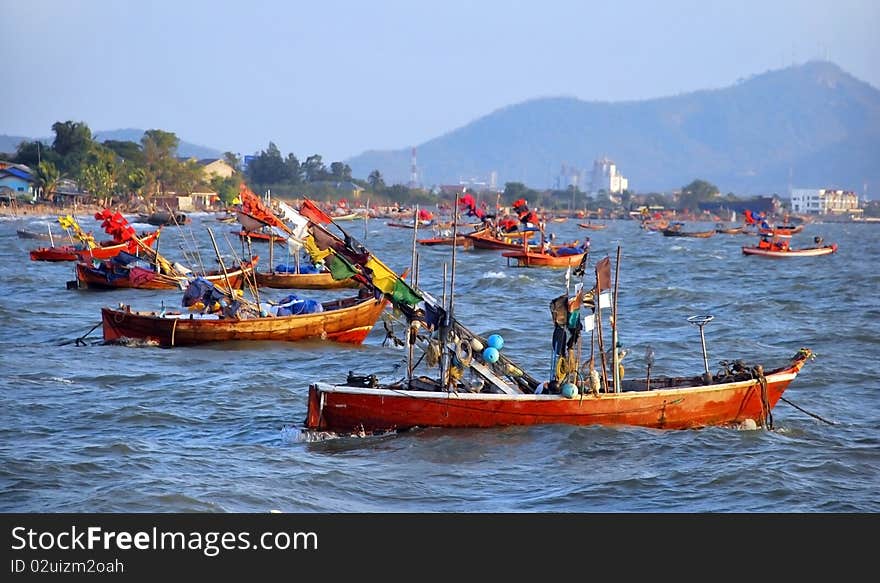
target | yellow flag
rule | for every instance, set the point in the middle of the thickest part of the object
(313, 251)
(383, 277)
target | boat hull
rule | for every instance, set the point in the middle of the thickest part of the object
(483, 239)
(460, 240)
(90, 277)
(71, 253)
(375, 410)
(524, 259)
(347, 321)
(694, 234)
(809, 252)
(302, 281)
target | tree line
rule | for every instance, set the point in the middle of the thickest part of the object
(125, 171)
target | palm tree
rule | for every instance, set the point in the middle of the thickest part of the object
(376, 181)
(47, 179)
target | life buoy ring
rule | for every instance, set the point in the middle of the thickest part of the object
(464, 352)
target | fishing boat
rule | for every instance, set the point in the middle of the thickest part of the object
(660, 403)
(480, 388)
(293, 280)
(460, 240)
(722, 230)
(778, 248)
(347, 320)
(260, 236)
(677, 230)
(780, 230)
(348, 217)
(555, 256)
(131, 271)
(488, 238)
(104, 250)
(654, 225)
(164, 218)
(26, 234)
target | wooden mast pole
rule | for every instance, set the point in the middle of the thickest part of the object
(598, 301)
(445, 326)
(222, 265)
(410, 332)
(616, 354)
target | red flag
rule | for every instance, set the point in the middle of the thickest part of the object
(603, 274)
(311, 211)
(253, 207)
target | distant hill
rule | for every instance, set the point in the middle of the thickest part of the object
(811, 125)
(9, 144)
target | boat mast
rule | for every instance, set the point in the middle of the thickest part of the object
(222, 265)
(411, 331)
(444, 329)
(616, 355)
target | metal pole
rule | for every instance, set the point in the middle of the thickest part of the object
(705, 354)
(701, 321)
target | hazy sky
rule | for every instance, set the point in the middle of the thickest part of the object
(338, 78)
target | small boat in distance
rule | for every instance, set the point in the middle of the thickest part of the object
(779, 247)
(721, 229)
(677, 230)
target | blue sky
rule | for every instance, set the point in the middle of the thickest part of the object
(338, 78)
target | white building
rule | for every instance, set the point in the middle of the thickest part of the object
(824, 201)
(606, 177)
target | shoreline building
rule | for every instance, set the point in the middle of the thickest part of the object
(606, 177)
(824, 201)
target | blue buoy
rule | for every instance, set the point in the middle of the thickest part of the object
(496, 341)
(491, 354)
(569, 390)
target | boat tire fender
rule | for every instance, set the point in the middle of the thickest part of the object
(464, 352)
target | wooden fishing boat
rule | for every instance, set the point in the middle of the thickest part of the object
(661, 403)
(25, 234)
(722, 230)
(592, 226)
(110, 274)
(558, 256)
(487, 239)
(654, 224)
(777, 253)
(676, 230)
(780, 230)
(164, 218)
(104, 250)
(260, 236)
(347, 320)
(460, 240)
(347, 217)
(285, 280)
(408, 225)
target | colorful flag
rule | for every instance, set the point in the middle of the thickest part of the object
(340, 268)
(603, 274)
(312, 212)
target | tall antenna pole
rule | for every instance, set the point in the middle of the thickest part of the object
(414, 171)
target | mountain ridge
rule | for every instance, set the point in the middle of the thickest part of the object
(796, 126)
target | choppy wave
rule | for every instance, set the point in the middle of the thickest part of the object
(119, 428)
